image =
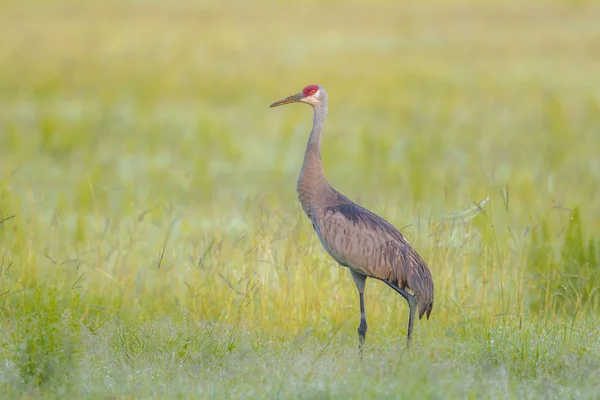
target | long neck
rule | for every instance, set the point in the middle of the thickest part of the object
(312, 178)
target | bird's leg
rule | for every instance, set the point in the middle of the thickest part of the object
(362, 328)
(412, 306)
(359, 280)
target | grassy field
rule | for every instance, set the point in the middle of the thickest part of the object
(151, 242)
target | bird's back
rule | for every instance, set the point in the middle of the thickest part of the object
(363, 241)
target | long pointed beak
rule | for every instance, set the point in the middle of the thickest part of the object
(290, 99)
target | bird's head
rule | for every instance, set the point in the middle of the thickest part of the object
(312, 94)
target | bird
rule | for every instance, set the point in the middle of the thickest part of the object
(356, 238)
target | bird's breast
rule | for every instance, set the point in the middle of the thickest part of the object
(331, 250)
(307, 195)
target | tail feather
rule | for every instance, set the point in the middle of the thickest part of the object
(418, 279)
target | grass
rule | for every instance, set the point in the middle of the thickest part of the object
(151, 243)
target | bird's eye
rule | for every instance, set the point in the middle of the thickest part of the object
(312, 91)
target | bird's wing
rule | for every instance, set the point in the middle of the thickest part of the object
(355, 237)
(362, 241)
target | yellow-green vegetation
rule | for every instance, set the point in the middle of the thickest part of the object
(151, 243)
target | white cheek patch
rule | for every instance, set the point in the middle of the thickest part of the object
(312, 99)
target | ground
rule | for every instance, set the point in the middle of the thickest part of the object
(151, 242)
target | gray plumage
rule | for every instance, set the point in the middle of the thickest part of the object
(355, 237)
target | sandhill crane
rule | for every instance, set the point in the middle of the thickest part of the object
(363, 242)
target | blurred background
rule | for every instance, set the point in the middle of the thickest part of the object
(141, 170)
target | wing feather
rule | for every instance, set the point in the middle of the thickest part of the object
(362, 241)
